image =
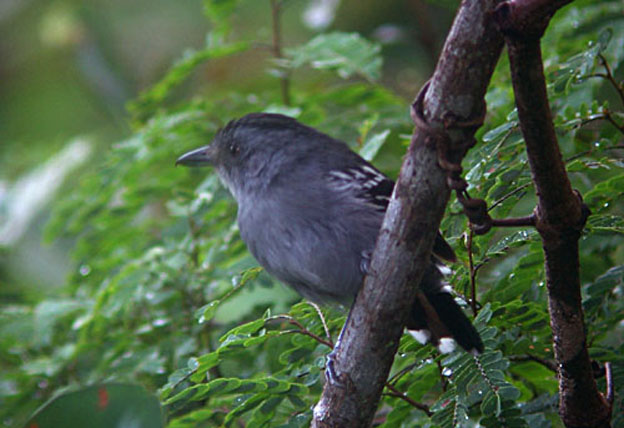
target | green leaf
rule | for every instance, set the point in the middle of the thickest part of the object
(373, 144)
(604, 38)
(48, 313)
(244, 405)
(346, 53)
(265, 412)
(497, 133)
(607, 281)
(516, 239)
(207, 312)
(491, 404)
(205, 363)
(604, 224)
(601, 196)
(243, 330)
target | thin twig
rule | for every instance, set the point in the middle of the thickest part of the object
(619, 88)
(473, 273)
(320, 314)
(514, 222)
(484, 374)
(443, 379)
(232, 290)
(194, 237)
(613, 122)
(302, 329)
(605, 115)
(600, 75)
(589, 152)
(397, 376)
(550, 365)
(483, 262)
(509, 195)
(398, 394)
(277, 49)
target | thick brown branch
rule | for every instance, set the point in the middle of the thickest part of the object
(560, 214)
(527, 18)
(371, 335)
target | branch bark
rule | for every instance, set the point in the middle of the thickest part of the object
(456, 94)
(560, 214)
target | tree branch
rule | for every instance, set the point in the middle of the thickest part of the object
(560, 214)
(371, 336)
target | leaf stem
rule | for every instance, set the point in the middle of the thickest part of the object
(399, 394)
(276, 8)
(473, 275)
(301, 329)
(609, 76)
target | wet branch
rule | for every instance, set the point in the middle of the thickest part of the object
(560, 214)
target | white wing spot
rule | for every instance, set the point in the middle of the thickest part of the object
(373, 172)
(357, 173)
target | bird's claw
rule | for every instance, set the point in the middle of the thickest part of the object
(331, 375)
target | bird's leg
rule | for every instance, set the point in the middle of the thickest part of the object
(330, 370)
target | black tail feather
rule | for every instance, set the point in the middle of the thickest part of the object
(440, 316)
(456, 321)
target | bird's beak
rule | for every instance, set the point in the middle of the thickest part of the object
(203, 156)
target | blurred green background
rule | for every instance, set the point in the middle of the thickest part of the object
(67, 70)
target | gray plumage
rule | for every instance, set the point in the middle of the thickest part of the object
(310, 209)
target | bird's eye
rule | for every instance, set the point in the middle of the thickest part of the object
(234, 149)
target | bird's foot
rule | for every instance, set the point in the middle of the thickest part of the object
(339, 380)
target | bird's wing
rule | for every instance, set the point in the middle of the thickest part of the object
(364, 182)
(372, 186)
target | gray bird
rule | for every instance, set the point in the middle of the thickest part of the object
(310, 209)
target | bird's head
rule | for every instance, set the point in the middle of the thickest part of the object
(248, 152)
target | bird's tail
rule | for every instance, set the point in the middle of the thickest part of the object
(437, 318)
